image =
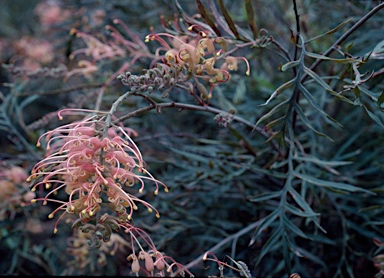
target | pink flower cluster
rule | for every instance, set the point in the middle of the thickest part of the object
(14, 190)
(196, 57)
(94, 164)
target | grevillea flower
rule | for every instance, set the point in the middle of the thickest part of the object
(187, 57)
(94, 164)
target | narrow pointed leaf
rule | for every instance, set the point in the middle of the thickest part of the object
(267, 221)
(311, 100)
(229, 19)
(288, 224)
(380, 99)
(208, 17)
(322, 162)
(310, 256)
(273, 242)
(251, 17)
(272, 111)
(299, 212)
(275, 122)
(289, 65)
(279, 90)
(265, 196)
(321, 82)
(337, 28)
(306, 207)
(374, 117)
(378, 51)
(307, 122)
(331, 184)
(322, 57)
(191, 20)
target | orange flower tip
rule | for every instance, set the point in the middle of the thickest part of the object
(47, 185)
(91, 213)
(38, 145)
(156, 192)
(140, 190)
(203, 34)
(73, 31)
(44, 203)
(33, 201)
(129, 217)
(28, 179)
(157, 215)
(190, 28)
(166, 190)
(248, 72)
(115, 21)
(112, 253)
(33, 189)
(55, 231)
(150, 210)
(105, 182)
(135, 207)
(71, 57)
(51, 216)
(48, 148)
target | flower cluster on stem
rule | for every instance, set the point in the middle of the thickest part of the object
(186, 61)
(94, 164)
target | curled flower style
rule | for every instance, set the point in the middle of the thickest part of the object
(95, 165)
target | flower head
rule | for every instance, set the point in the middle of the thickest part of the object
(93, 164)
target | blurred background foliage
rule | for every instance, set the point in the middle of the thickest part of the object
(219, 177)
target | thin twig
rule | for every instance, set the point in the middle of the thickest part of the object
(210, 109)
(297, 98)
(345, 36)
(225, 241)
(61, 91)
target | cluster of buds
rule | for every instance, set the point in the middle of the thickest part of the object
(78, 248)
(96, 165)
(186, 58)
(161, 77)
(14, 190)
(224, 120)
(44, 72)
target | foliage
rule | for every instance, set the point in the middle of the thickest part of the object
(192, 138)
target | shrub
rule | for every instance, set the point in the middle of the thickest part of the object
(232, 139)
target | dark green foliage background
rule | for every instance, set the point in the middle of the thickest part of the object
(212, 176)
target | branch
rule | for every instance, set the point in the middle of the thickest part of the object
(182, 106)
(61, 91)
(345, 36)
(226, 240)
(188, 107)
